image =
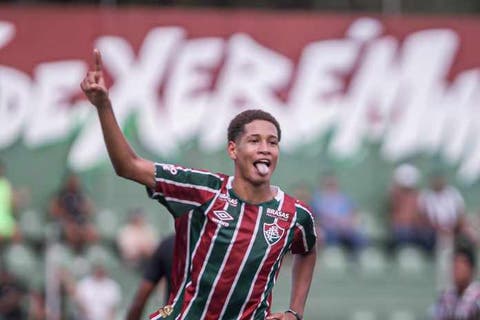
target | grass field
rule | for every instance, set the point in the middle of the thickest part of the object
(352, 294)
(355, 295)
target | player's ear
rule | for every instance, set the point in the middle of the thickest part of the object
(232, 150)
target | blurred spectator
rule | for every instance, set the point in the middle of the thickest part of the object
(8, 225)
(12, 293)
(73, 209)
(137, 239)
(408, 226)
(337, 216)
(159, 267)
(96, 296)
(444, 207)
(462, 301)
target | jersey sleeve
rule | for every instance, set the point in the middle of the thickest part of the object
(182, 189)
(305, 236)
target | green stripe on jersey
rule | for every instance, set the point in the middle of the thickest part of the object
(219, 252)
(197, 223)
(305, 219)
(260, 249)
(260, 313)
(191, 188)
(188, 176)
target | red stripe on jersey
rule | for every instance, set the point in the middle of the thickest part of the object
(179, 255)
(263, 276)
(154, 315)
(183, 192)
(297, 243)
(200, 253)
(270, 297)
(237, 253)
(200, 258)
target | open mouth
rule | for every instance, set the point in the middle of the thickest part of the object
(262, 166)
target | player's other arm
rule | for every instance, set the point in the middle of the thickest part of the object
(143, 292)
(305, 256)
(125, 161)
(302, 274)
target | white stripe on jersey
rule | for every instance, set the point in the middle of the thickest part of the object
(304, 235)
(195, 203)
(202, 270)
(158, 316)
(225, 258)
(156, 194)
(183, 201)
(202, 172)
(311, 217)
(196, 247)
(189, 170)
(270, 275)
(305, 209)
(187, 262)
(254, 280)
(186, 185)
(245, 258)
(267, 252)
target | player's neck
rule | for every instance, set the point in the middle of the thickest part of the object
(253, 193)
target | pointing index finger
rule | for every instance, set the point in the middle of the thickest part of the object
(98, 60)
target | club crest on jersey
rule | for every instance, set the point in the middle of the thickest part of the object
(272, 233)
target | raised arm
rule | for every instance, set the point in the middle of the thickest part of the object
(126, 162)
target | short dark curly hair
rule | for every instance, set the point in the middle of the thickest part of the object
(237, 125)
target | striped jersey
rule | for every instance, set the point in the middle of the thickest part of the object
(227, 252)
(453, 306)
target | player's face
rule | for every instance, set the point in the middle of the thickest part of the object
(256, 152)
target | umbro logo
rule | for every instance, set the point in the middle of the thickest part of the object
(221, 217)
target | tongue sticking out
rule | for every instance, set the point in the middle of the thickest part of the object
(262, 168)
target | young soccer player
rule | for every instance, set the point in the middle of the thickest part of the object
(232, 232)
(462, 300)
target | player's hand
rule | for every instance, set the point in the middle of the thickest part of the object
(280, 316)
(93, 85)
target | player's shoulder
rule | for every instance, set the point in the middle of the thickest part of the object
(301, 208)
